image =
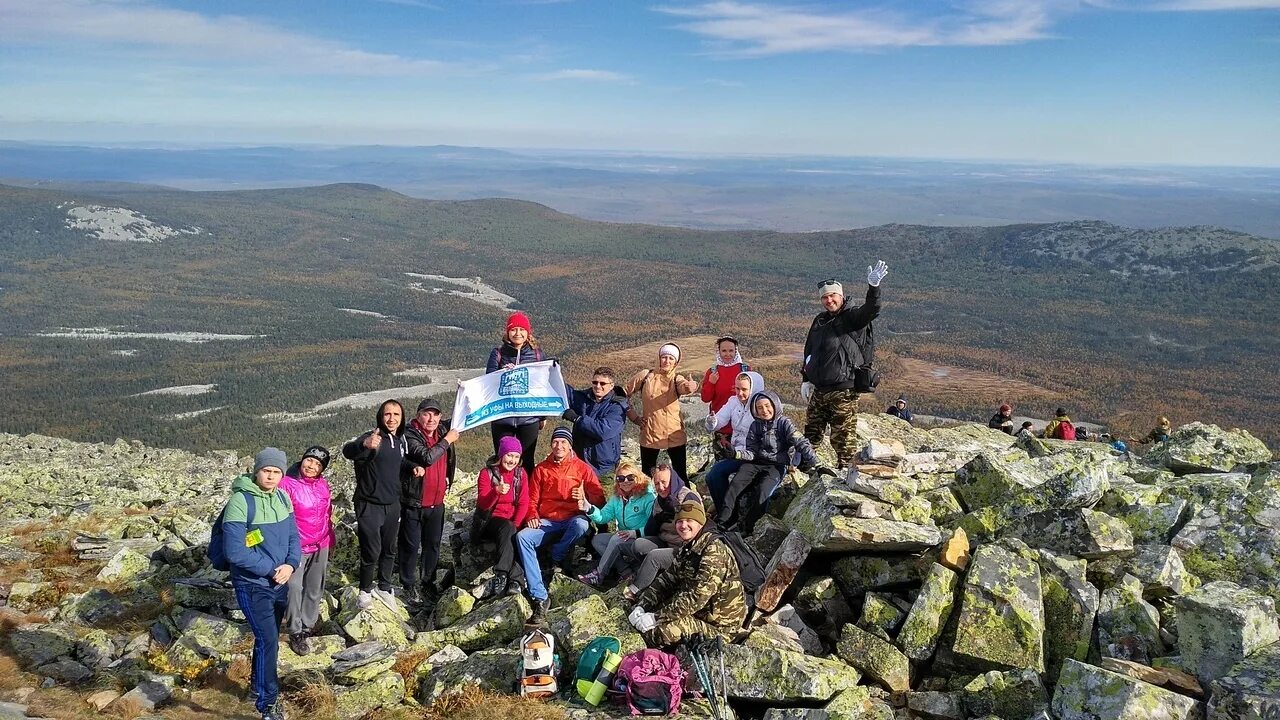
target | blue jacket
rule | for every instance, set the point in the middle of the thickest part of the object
(273, 517)
(630, 513)
(773, 441)
(597, 433)
(505, 354)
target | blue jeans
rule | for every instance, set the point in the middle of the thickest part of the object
(529, 539)
(264, 607)
(717, 480)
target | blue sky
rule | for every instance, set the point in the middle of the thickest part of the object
(1090, 81)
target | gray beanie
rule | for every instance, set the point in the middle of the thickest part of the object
(270, 457)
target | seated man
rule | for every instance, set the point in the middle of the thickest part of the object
(701, 595)
(563, 488)
(598, 416)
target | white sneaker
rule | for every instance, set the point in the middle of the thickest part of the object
(387, 598)
(364, 600)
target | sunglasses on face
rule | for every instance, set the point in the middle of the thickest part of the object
(626, 478)
(601, 383)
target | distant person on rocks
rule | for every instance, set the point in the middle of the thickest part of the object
(427, 473)
(770, 443)
(658, 413)
(735, 415)
(719, 379)
(562, 490)
(701, 595)
(377, 456)
(1002, 420)
(657, 546)
(599, 416)
(311, 497)
(838, 346)
(262, 559)
(899, 409)
(502, 492)
(1060, 427)
(518, 347)
(630, 508)
(1158, 434)
(1027, 430)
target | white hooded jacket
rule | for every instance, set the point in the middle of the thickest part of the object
(737, 414)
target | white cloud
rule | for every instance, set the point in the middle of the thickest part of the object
(187, 35)
(1203, 5)
(580, 74)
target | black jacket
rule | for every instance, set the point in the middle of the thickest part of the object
(419, 454)
(377, 473)
(1000, 422)
(831, 349)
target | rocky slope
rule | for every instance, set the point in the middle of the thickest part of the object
(959, 575)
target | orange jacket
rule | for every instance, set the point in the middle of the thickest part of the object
(552, 484)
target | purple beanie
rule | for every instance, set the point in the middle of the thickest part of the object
(509, 444)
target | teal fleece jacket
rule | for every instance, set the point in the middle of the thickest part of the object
(629, 513)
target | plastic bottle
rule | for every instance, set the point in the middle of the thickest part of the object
(608, 667)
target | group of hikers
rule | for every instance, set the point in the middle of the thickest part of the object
(677, 567)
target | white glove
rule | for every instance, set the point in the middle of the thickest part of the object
(877, 273)
(645, 622)
(636, 612)
(806, 390)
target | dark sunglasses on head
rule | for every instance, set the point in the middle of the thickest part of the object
(626, 478)
(829, 281)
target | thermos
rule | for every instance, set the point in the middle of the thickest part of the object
(608, 667)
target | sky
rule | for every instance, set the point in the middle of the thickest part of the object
(1187, 82)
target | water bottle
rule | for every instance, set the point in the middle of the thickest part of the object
(608, 667)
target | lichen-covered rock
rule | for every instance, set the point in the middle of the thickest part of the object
(1070, 609)
(858, 574)
(1085, 692)
(96, 649)
(768, 535)
(1150, 514)
(881, 615)
(1250, 690)
(1201, 447)
(1079, 532)
(783, 677)
(97, 608)
(989, 480)
(577, 625)
(774, 636)
(28, 596)
(929, 614)
(936, 705)
(491, 625)
(492, 670)
(68, 672)
(1001, 620)
(875, 658)
(1128, 626)
(322, 648)
(35, 644)
(852, 703)
(1011, 694)
(453, 603)
(204, 593)
(816, 513)
(944, 506)
(385, 690)
(1221, 624)
(203, 641)
(823, 606)
(127, 564)
(379, 622)
(1158, 567)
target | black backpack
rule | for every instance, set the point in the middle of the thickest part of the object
(750, 564)
(865, 378)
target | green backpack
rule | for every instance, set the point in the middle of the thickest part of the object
(599, 659)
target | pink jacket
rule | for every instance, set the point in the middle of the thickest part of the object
(312, 509)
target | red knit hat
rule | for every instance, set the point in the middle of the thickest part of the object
(519, 320)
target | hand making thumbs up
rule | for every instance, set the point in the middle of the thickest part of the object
(374, 440)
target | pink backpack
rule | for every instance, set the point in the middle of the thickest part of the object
(651, 682)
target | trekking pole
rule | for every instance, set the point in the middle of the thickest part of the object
(701, 667)
(724, 678)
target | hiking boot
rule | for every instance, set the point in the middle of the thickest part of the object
(593, 578)
(496, 587)
(298, 644)
(512, 588)
(388, 598)
(274, 712)
(413, 596)
(430, 595)
(364, 600)
(539, 616)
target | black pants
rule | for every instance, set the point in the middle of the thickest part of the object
(420, 531)
(749, 491)
(649, 459)
(376, 527)
(502, 532)
(528, 437)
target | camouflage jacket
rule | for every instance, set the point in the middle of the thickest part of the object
(704, 583)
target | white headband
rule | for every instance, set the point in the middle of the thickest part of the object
(670, 349)
(831, 287)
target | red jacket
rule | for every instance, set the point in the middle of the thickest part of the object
(552, 484)
(718, 394)
(513, 506)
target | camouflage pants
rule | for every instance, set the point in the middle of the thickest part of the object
(839, 409)
(672, 633)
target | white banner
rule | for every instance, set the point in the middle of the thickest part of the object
(535, 389)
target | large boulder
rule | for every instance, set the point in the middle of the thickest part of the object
(1128, 625)
(126, 565)
(1010, 694)
(1080, 532)
(383, 691)
(919, 635)
(1001, 621)
(1250, 689)
(1232, 532)
(379, 622)
(858, 574)
(817, 514)
(1221, 624)
(321, 647)
(851, 703)
(204, 640)
(782, 677)
(1151, 515)
(1200, 447)
(1070, 609)
(875, 658)
(991, 479)
(491, 625)
(1158, 567)
(1085, 692)
(883, 614)
(580, 623)
(453, 603)
(491, 670)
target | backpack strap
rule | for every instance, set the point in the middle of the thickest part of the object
(251, 510)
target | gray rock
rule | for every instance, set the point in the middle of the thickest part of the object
(1250, 690)
(1001, 622)
(816, 513)
(875, 658)
(96, 649)
(35, 645)
(454, 602)
(933, 705)
(1070, 609)
(919, 635)
(577, 625)
(147, 695)
(787, 617)
(1085, 692)
(126, 565)
(378, 622)
(823, 606)
(491, 670)
(383, 691)
(858, 574)
(204, 639)
(491, 625)
(1128, 626)
(1011, 694)
(1079, 532)
(203, 593)
(989, 479)
(782, 677)
(359, 655)
(1221, 624)
(881, 615)
(774, 636)
(1159, 568)
(851, 703)
(96, 607)
(66, 671)
(447, 654)
(1200, 447)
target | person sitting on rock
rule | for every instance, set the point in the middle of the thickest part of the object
(599, 416)
(899, 409)
(770, 442)
(502, 490)
(1060, 427)
(1002, 420)
(563, 488)
(701, 595)
(262, 561)
(736, 415)
(427, 473)
(630, 507)
(657, 546)
(1026, 431)
(311, 496)
(377, 456)
(1158, 434)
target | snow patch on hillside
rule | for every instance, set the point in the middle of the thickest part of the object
(197, 413)
(477, 289)
(442, 382)
(103, 333)
(180, 390)
(366, 313)
(120, 224)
